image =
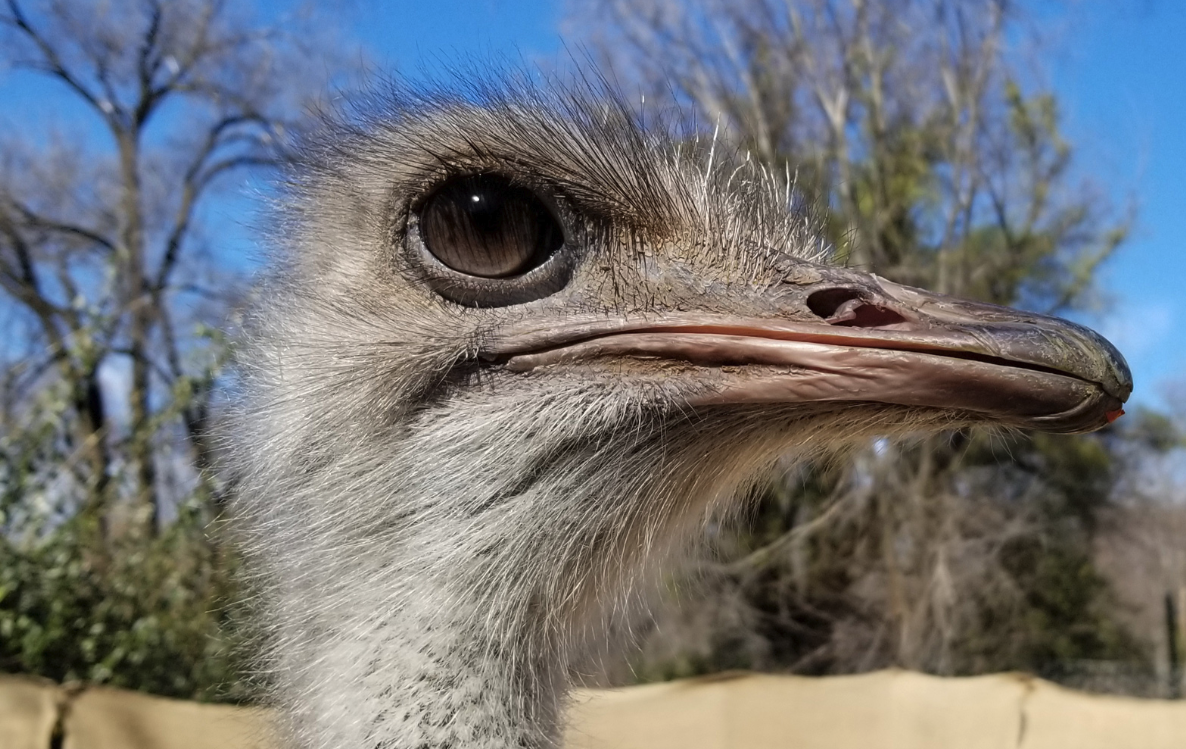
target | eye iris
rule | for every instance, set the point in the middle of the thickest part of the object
(486, 226)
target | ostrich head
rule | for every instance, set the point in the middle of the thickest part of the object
(515, 351)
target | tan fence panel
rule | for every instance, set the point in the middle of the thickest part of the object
(28, 712)
(884, 710)
(116, 719)
(1058, 718)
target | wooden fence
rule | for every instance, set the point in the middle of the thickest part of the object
(883, 710)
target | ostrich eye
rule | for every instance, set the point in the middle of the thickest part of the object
(485, 226)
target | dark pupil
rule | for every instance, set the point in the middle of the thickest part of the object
(485, 226)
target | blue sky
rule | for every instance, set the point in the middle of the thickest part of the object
(1117, 66)
(1121, 76)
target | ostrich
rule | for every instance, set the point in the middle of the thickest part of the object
(514, 352)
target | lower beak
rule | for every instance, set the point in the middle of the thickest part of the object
(865, 339)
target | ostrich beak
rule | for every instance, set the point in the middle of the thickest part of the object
(849, 336)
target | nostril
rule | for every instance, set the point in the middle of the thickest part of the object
(845, 307)
(867, 316)
(825, 302)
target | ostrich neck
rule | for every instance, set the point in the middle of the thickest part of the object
(442, 604)
(435, 666)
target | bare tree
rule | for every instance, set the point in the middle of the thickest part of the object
(941, 164)
(115, 277)
(102, 247)
(1142, 547)
(905, 116)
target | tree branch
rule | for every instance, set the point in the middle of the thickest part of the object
(54, 65)
(41, 222)
(147, 65)
(197, 179)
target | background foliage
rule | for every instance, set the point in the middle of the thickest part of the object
(941, 162)
(943, 166)
(113, 563)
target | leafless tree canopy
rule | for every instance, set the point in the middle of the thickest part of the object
(117, 277)
(104, 248)
(908, 118)
(922, 126)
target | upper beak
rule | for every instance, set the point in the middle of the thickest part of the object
(850, 336)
